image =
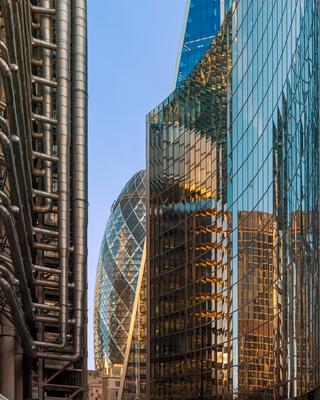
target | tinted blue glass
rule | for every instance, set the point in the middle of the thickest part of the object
(203, 23)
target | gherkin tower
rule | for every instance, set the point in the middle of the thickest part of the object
(117, 272)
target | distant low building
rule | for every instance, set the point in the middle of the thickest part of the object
(95, 382)
(111, 382)
(104, 384)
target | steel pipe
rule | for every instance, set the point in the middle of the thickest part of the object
(44, 119)
(48, 232)
(44, 81)
(38, 63)
(45, 246)
(48, 270)
(44, 43)
(79, 150)
(41, 193)
(46, 307)
(43, 10)
(46, 157)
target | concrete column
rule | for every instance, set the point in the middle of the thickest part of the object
(18, 371)
(7, 358)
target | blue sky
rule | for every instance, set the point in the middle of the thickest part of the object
(133, 47)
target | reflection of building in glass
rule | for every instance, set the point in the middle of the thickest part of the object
(201, 25)
(133, 384)
(255, 301)
(118, 272)
(189, 274)
(233, 231)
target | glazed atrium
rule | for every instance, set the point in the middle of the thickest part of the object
(233, 213)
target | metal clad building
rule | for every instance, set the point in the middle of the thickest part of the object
(43, 199)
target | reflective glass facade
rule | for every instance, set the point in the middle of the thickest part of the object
(233, 230)
(117, 273)
(202, 24)
(134, 384)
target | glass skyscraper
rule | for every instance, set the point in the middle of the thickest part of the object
(233, 214)
(201, 24)
(118, 272)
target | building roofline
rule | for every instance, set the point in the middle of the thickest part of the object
(182, 36)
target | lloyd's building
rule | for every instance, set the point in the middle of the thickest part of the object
(233, 208)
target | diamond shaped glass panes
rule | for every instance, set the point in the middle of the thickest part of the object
(117, 272)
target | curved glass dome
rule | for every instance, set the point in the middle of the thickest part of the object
(117, 272)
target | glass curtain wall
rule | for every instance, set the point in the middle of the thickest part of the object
(233, 238)
(134, 385)
(202, 24)
(274, 158)
(189, 278)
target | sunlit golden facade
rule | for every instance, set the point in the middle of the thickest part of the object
(256, 301)
(133, 383)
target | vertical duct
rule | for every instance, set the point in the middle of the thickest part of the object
(63, 21)
(79, 165)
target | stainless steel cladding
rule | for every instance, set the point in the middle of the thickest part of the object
(43, 199)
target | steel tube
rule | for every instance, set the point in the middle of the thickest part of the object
(48, 232)
(44, 43)
(44, 119)
(45, 246)
(41, 193)
(46, 307)
(79, 150)
(42, 10)
(46, 269)
(44, 156)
